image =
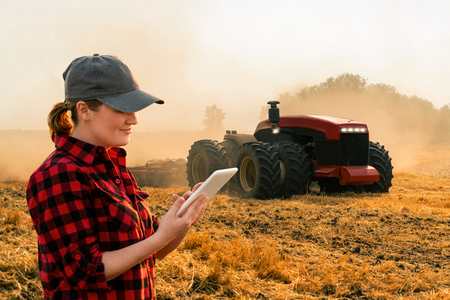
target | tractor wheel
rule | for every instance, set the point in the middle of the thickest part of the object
(295, 169)
(231, 148)
(380, 160)
(205, 157)
(259, 174)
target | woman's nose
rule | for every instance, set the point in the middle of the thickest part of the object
(133, 118)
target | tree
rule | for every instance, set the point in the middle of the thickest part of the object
(214, 118)
(263, 114)
(345, 82)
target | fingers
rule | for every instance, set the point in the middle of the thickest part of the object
(196, 186)
(200, 213)
(199, 203)
(195, 208)
(187, 194)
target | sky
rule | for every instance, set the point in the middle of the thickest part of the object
(236, 55)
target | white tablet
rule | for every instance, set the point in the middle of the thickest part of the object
(210, 187)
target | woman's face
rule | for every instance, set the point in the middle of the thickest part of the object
(111, 128)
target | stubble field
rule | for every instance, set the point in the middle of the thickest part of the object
(315, 246)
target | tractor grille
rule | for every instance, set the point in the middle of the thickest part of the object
(354, 149)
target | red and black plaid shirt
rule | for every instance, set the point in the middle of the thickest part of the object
(83, 201)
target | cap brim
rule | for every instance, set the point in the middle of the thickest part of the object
(131, 101)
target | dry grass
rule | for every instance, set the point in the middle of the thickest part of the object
(19, 273)
(345, 246)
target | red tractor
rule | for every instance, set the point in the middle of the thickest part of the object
(286, 154)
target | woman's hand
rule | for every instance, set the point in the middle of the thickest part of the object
(173, 225)
(171, 231)
(187, 195)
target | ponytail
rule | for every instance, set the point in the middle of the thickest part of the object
(58, 120)
(63, 117)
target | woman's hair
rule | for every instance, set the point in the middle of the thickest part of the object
(61, 122)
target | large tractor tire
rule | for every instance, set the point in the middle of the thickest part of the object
(259, 174)
(205, 157)
(231, 149)
(380, 160)
(295, 169)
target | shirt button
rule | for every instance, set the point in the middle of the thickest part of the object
(78, 257)
(117, 181)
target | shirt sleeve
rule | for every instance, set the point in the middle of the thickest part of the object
(60, 204)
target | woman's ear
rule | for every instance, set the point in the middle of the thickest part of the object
(83, 110)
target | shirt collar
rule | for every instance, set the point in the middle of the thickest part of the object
(84, 151)
(79, 149)
(116, 152)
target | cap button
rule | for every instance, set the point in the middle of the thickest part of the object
(96, 54)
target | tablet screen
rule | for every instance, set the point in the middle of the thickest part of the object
(210, 187)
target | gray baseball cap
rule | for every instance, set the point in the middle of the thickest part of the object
(107, 79)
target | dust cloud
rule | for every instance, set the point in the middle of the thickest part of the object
(177, 51)
(406, 126)
(160, 43)
(23, 151)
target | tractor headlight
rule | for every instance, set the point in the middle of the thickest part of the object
(275, 128)
(353, 129)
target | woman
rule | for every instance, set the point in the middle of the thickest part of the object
(97, 238)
